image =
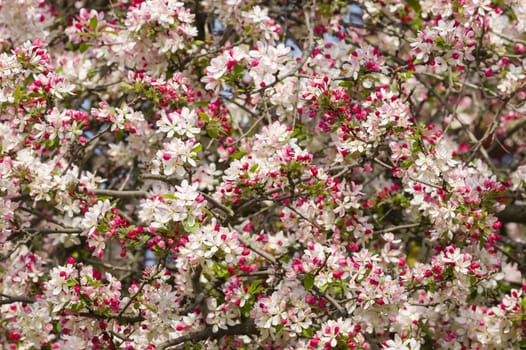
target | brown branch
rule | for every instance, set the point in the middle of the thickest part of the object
(167, 179)
(513, 213)
(109, 266)
(396, 228)
(118, 318)
(246, 328)
(517, 127)
(121, 194)
(9, 299)
(51, 231)
(218, 205)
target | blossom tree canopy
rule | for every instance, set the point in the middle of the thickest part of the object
(248, 174)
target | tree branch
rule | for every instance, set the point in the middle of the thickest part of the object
(9, 299)
(218, 205)
(52, 231)
(246, 328)
(513, 213)
(118, 318)
(121, 194)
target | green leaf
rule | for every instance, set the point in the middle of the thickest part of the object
(238, 155)
(93, 22)
(415, 5)
(212, 131)
(77, 307)
(346, 84)
(83, 47)
(150, 307)
(168, 196)
(308, 332)
(308, 281)
(405, 75)
(247, 308)
(440, 43)
(201, 103)
(190, 228)
(255, 287)
(238, 69)
(52, 143)
(324, 288)
(18, 94)
(203, 116)
(130, 87)
(71, 283)
(198, 148)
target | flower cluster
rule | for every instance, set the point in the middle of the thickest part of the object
(20, 20)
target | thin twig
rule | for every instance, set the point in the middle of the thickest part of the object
(396, 228)
(223, 208)
(120, 194)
